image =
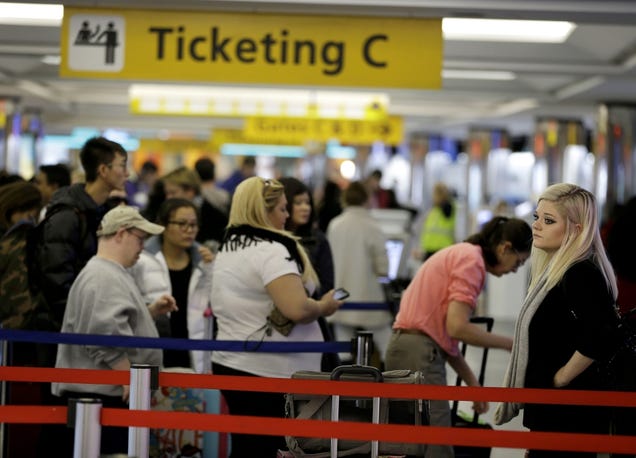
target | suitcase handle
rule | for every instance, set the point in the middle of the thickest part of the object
(356, 369)
(489, 322)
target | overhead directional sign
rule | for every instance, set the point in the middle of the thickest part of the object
(251, 48)
(300, 130)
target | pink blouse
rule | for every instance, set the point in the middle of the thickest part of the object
(456, 273)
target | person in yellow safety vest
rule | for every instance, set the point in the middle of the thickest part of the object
(438, 230)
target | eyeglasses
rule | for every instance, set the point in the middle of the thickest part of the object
(141, 239)
(123, 165)
(184, 225)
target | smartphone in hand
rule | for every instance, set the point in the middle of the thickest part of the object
(340, 294)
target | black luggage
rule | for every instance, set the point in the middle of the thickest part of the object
(338, 408)
(460, 420)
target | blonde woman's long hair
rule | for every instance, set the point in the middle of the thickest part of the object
(578, 207)
(253, 199)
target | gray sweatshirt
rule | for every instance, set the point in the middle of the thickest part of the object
(104, 299)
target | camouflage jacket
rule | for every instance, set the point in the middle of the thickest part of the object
(17, 304)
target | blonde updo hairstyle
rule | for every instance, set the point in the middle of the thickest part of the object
(253, 199)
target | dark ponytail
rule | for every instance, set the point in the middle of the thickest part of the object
(502, 229)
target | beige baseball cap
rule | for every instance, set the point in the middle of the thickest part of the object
(124, 216)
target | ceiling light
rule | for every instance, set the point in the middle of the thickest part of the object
(506, 30)
(38, 14)
(579, 87)
(233, 101)
(34, 88)
(240, 149)
(51, 60)
(515, 106)
(478, 75)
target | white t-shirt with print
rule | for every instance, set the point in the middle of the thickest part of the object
(241, 305)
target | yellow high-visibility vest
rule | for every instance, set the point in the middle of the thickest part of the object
(438, 231)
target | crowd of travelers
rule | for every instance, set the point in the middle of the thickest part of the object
(164, 254)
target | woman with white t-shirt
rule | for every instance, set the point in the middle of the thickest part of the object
(262, 277)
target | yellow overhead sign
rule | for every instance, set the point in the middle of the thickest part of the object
(221, 137)
(299, 130)
(251, 48)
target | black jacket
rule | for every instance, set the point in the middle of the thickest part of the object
(69, 240)
(576, 315)
(213, 223)
(319, 252)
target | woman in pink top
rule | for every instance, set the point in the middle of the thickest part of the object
(436, 307)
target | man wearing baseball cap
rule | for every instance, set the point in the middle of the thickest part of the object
(104, 299)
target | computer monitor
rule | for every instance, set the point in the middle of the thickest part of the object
(394, 248)
(394, 223)
(395, 253)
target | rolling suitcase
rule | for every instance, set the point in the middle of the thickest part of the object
(461, 421)
(338, 408)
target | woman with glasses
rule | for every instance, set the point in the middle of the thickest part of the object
(263, 281)
(174, 263)
(436, 308)
(185, 183)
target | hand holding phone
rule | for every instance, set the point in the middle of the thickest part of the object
(340, 294)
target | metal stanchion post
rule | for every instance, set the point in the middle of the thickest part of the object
(83, 415)
(4, 353)
(143, 379)
(364, 348)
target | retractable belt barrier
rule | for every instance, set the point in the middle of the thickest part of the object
(311, 428)
(172, 343)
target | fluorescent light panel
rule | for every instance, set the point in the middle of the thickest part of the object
(516, 106)
(37, 14)
(48, 14)
(273, 95)
(505, 30)
(51, 60)
(241, 149)
(250, 101)
(478, 75)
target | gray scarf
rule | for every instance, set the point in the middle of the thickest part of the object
(516, 372)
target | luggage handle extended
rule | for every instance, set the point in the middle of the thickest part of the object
(355, 369)
(489, 322)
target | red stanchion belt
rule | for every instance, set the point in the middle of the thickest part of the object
(314, 428)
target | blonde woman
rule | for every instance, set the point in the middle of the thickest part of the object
(566, 323)
(261, 291)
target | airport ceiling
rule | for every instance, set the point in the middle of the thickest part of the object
(596, 64)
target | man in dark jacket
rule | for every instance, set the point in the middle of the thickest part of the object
(68, 240)
(69, 233)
